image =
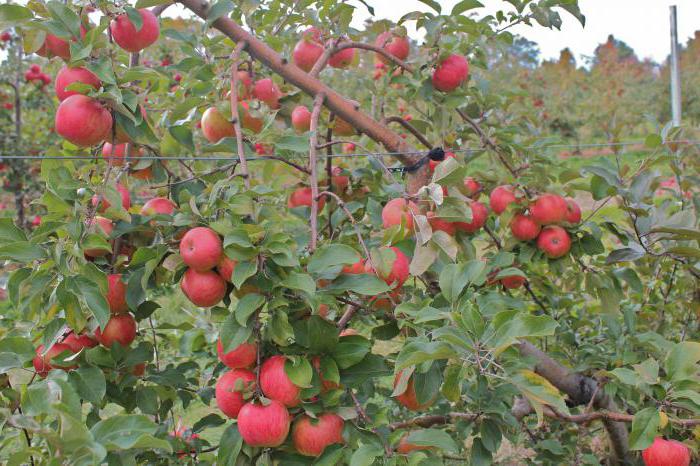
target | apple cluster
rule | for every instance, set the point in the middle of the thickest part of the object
(34, 73)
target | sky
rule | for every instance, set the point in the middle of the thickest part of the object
(642, 24)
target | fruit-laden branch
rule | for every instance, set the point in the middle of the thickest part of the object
(338, 104)
(313, 166)
(330, 51)
(412, 129)
(522, 408)
(581, 390)
(235, 57)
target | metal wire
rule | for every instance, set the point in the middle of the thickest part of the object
(351, 155)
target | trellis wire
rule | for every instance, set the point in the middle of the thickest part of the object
(350, 155)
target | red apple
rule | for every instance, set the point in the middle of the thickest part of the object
(275, 383)
(117, 153)
(158, 206)
(215, 126)
(263, 426)
(524, 227)
(5, 36)
(549, 209)
(479, 215)
(230, 388)
(77, 342)
(450, 73)
(54, 46)
(127, 37)
(573, 212)
(201, 249)
(267, 91)
(356, 268)
(472, 187)
(342, 59)
(405, 447)
(512, 282)
(245, 85)
(308, 50)
(120, 329)
(501, 197)
(554, 241)
(396, 45)
(83, 121)
(408, 397)
(42, 362)
(311, 436)
(437, 224)
(339, 181)
(67, 76)
(398, 273)
(398, 211)
(241, 357)
(302, 197)
(666, 453)
(226, 267)
(301, 118)
(103, 227)
(116, 294)
(123, 193)
(203, 289)
(434, 163)
(248, 121)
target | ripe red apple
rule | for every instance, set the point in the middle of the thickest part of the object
(348, 148)
(203, 289)
(267, 91)
(201, 249)
(405, 447)
(36, 221)
(215, 126)
(398, 211)
(554, 241)
(117, 153)
(100, 226)
(275, 383)
(42, 363)
(226, 267)
(408, 397)
(131, 40)
(301, 118)
(5, 36)
(248, 121)
(501, 197)
(396, 45)
(116, 294)
(241, 357)
(302, 197)
(83, 121)
(311, 436)
(524, 227)
(339, 181)
(434, 163)
(512, 282)
(123, 193)
(77, 342)
(438, 224)
(479, 215)
(263, 426)
(342, 59)
(158, 206)
(573, 212)
(54, 46)
(245, 85)
(549, 209)
(666, 453)
(356, 268)
(120, 329)
(472, 187)
(230, 388)
(67, 76)
(398, 273)
(308, 50)
(451, 73)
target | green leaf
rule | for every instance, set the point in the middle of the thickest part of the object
(365, 455)
(644, 428)
(300, 281)
(364, 284)
(539, 392)
(90, 293)
(66, 16)
(371, 366)
(134, 17)
(465, 5)
(433, 438)
(229, 446)
(432, 4)
(350, 350)
(682, 361)
(10, 233)
(232, 334)
(126, 431)
(219, 9)
(299, 371)
(22, 251)
(322, 335)
(242, 272)
(417, 352)
(89, 382)
(330, 257)
(247, 305)
(10, 13)
(455, 277)
(281, 330)
(512, 325)
(183, 135)
(299, 144)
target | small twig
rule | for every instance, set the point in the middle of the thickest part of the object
(411, 129)
(155, 343)
(339, 47)
(348, 214)
(235, 56)
(195, 177)
(339, 141)
(431, 420)
(288, 162)
(313, 142)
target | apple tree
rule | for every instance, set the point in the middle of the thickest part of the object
(270, 237)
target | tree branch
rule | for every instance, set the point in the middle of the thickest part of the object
(412, 129)
(313, 165)
(235, 56)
